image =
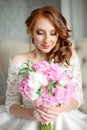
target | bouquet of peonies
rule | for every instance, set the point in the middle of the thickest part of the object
(46, 84)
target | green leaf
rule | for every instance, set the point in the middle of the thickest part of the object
(39, 91)
(23, 71)
(27, 63)
(57, 84)
(50, 86)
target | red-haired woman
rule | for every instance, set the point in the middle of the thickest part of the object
(48, 32)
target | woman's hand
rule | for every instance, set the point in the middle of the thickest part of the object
(48, 114)
(37, 116)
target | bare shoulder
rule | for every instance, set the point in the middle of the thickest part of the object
(22, 57)
(19, 58)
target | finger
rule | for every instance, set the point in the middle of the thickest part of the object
(51, 111)
(37, 116)
(47, 116)
(48, 119)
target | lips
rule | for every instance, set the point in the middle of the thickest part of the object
(45, 46)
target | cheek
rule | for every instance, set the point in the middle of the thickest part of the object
(55, 40)
(38, 39)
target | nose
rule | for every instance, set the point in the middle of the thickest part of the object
(47, 39)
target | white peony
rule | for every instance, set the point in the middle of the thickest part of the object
(62, 82)
(34, 95)
(36, 80)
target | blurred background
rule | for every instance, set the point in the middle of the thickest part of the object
(14, 12)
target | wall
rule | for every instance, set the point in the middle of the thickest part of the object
(13, 14)
(75, 13)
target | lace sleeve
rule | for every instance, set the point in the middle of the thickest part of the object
(77, 78)
(12, 92)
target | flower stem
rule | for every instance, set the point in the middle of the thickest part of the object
(45, 126)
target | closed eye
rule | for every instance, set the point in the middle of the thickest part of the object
(53, 33)
(40, 32)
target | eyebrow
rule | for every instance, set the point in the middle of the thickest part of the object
(44, 30)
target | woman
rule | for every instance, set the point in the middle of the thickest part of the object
(49, 34)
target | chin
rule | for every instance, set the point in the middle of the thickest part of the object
(46, 50)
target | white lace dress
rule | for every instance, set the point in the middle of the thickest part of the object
(73, 120)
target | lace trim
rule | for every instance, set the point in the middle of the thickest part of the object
(12, 92)
(75, 72)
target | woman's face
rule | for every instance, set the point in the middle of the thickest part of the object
(45, 35)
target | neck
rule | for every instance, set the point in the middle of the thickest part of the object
(39, 56)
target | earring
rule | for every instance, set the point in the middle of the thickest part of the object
(33, 40)
(31, 43)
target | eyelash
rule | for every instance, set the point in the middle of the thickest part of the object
(53, 34)
(41, 33)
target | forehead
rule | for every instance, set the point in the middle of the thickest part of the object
(43, 23)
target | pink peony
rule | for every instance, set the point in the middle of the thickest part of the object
(46, 84)
(57, 86)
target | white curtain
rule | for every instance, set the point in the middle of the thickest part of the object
(75, 11)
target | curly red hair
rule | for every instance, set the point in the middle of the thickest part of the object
(62, 51)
